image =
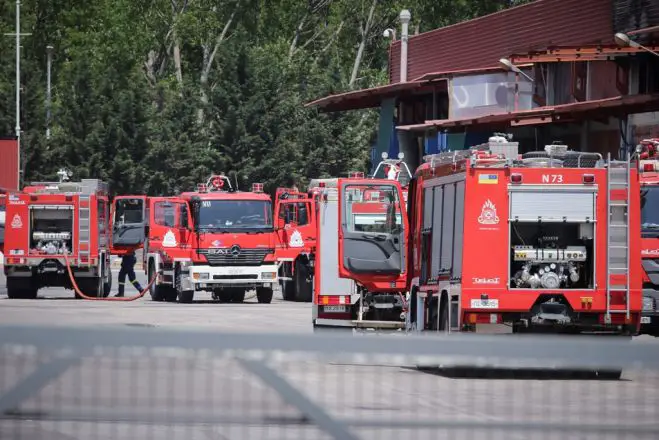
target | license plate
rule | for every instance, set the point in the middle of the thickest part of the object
(484, 303)
(646, 320)
(335, 309)
(235, 271)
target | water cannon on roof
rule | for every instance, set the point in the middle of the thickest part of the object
(648, 154)
(393, 168)
(64, 174)
(216, 182)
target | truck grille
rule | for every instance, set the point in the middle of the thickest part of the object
(229, 256)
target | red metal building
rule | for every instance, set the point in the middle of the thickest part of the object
(566, 66)
(9, 164)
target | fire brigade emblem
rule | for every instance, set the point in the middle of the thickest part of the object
(216, 243)
(16, 222)
(169, 240)
(296, 240)
(488, 214)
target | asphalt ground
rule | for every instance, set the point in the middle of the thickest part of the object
(237, 405)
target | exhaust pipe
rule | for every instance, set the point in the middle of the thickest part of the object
(405, 17)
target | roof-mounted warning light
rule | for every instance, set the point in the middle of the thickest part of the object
(356, 175)
(321, 184)
(257, 187)
(202, 188)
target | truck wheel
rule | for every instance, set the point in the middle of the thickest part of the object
(264, 295)
(20, 288)
(184, 296)
(303, 288)
(107, 285)
(156, 291)
(288, 290)
(170, 293)
(90, 287)
(223, 295)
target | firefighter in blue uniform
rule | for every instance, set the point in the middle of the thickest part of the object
(128, 268)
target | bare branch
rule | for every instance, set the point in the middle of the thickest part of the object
(362, 44)
(218, 41)
(333, 38)
(298, 30)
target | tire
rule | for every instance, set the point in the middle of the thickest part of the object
(170, 293)
(90, 287)
(157, 292)
(264, 295)
(288, 290)
(303, 287)
(184, 296)
(20, 288)
(107, 285)
(443, 315)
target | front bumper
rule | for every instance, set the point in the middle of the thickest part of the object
(210, 277)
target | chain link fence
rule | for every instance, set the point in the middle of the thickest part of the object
(152, 383)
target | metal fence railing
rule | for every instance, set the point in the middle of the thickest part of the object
(153, 383)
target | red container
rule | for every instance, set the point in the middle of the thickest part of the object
(9, 164)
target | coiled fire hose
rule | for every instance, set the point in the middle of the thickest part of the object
(99, 298)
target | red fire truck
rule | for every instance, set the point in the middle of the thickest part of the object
(545, 241)
(214, 239)
(360, 272)
(295, 217)
(649, 175)
(50, 220)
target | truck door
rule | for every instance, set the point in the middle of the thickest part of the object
(169, 223)
(296, 224)
(128, 222)
(372, 232)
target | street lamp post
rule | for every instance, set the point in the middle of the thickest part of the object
(18, 36)
(49, 50)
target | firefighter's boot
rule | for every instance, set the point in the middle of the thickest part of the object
(137, 285)
(121, 291)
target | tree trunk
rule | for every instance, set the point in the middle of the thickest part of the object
(362, 44)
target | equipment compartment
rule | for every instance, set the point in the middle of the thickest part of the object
(551, 255)
(51, 229)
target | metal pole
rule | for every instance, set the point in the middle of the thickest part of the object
(18, 89)
(49, 49)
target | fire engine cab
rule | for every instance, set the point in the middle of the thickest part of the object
(648, 166)
(49, 220)
(295, 217)
(545, 241)
(215, 239)
(360, 271)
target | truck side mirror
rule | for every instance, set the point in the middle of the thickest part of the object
(196, 205)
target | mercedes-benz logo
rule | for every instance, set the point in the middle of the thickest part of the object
(235, 250)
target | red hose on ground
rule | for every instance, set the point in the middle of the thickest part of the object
(97, 298)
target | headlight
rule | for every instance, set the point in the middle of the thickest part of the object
(648, 304)
(269, 275)
(200, 276)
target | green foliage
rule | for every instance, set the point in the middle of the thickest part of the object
(154, 95)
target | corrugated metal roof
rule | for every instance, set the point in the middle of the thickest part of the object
(541, 115)
(483, 41)
(631, 15)
(367, 98)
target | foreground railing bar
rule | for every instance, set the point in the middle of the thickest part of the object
(35, 381)
(293, 397)
(607, 352)
(85, 415)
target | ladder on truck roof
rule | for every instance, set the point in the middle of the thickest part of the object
(83, 228)
(617, 255)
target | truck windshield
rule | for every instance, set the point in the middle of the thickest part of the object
(650, 211)
(235, 215)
